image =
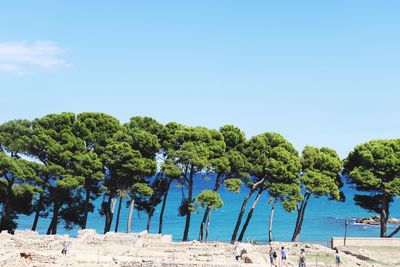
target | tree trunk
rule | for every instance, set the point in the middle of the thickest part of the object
(189, 203)
(87, 202)
(55, 225)
(208, 225)
(271, 218)
(131, 206)
(239, 219)
(395, 231)
(160, 226)
(37, 213)
(52, 229)
(149, 216)
(118, 214)
(295, 235)
(300, 217)
(109, 215)
(207, 211)
(384, 214)
(35, 220)
(6, 218)
(203, 222)
(113, 202)
(249, 215)
(49, 229)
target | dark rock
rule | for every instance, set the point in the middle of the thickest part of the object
(375, 220)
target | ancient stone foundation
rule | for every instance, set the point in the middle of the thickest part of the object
(26, 248)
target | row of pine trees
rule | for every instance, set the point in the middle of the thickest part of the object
(58, 165)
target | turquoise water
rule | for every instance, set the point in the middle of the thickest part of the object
(323, 218)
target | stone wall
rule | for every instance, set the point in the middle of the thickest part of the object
(365, 242)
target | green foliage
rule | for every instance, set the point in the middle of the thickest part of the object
(372, 203)
(146, 124)
(273, 157)
(209, 198)
(126, 166)
(170, 169)
(220, 165)
(320, 176)
(16, 193)
(233, 185)
(275, 160)
(142, 189)
(13, 136)
(375, 165)
(233, 136)
(321, 172)
(61, 162)
(191, 146)
(189, 150)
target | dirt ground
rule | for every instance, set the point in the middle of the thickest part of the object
(375, 255)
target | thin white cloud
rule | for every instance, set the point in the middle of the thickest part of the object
(23, 57)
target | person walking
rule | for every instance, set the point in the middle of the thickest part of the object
(283, 257)
(273, 256)
(65, 249)
(302, 258)
(238, 251)
(337, 258)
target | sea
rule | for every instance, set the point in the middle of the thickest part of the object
(324, 218)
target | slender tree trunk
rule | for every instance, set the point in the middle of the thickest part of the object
(207, 211)
(243, 208)
(87, 202)
(271, 218)
(203, 222)
(113, 202)
(37, 213)
(189, 203)
(160, 226)
(131, 206)
(50, 227)
(149, 216)
(384, 214)
(239, 219)
(118, 214)
(208, 225)
(395, 231)
(35, 220)
(295, 235)
(300, 217)
(249, 215)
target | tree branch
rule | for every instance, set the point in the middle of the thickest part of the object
(256, 185)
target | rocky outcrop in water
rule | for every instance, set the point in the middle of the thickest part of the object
(375, 220)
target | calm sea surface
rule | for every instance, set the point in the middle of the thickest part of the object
(323, 218)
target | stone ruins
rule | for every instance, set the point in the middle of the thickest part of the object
(27, 248)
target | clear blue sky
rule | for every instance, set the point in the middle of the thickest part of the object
(318, 72)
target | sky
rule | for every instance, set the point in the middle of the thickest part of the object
(321, 73)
